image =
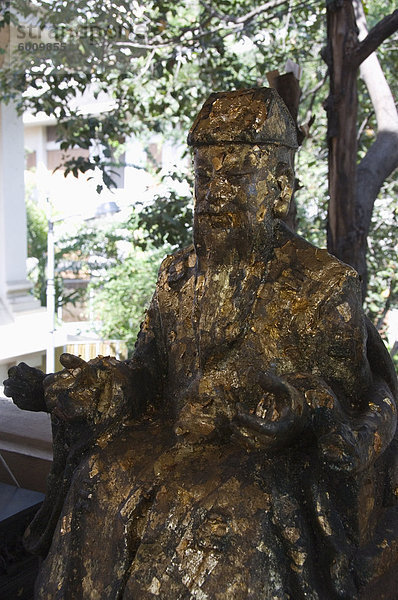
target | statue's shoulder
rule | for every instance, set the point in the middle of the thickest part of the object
(314, 263)
(177, 268)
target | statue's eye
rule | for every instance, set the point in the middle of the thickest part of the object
(236, 178)
(202, 174)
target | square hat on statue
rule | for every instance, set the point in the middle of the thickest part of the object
(255, 116)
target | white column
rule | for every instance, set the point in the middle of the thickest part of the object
(50, 293)
(41, 148)
(14, 286)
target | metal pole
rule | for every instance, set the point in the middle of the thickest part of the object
(7, 468)
(50, 295)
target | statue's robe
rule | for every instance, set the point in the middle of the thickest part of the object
(182, 503)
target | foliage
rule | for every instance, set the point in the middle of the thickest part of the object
(88, 251)
(37, 229)
(123, 292)
(109, 256)
(312, 195)
(382, 257)
(158, 61)
(167, 220)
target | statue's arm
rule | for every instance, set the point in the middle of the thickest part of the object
(303, 404)
(106, 390)
(348, 409)
(25, 386)
(363, 420)
(352, 443)
(31, 389)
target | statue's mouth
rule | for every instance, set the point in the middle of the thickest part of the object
(222, 218)
(210, 209)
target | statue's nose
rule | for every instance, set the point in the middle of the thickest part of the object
(219, 189)
(12, 371)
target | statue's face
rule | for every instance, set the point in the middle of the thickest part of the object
(239, 184)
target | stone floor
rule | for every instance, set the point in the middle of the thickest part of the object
(25, 447)
(13, 500)
(18, 568)
(25, 460)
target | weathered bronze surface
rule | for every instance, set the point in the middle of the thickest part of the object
(248, 449)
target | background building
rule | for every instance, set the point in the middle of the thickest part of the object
(22, 321)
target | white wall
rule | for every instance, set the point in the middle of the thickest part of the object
(14, 287)
(22, 320)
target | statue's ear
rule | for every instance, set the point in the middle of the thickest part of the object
(282, 202)
(285, 181)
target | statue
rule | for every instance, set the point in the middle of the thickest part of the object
(247, 449)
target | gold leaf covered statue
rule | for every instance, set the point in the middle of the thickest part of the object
(247, 450)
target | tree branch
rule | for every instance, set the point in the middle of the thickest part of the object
(375, 37)
(379, 162)
(248, 16)
(381, 321)
(314, 90)
(260, 9)
(364, 123)
(229, 24)
(382, 157)
(375, 81)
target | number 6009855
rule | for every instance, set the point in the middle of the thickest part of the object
(36, 46)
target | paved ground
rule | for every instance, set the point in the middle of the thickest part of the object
(25, 447)
(13, 500)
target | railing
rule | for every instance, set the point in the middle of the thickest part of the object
(89, 350)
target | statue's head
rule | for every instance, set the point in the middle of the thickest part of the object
(244, 143)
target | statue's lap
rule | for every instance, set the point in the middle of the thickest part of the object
(195, 521)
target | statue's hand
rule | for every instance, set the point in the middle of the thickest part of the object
(280, 415)
(25, 386)
(339, 444)
(340, 450)
(351, 444)
(90, 391)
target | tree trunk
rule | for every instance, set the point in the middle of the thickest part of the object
(342, 128)
(353, 190)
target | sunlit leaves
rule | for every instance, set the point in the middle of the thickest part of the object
(159, 59)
